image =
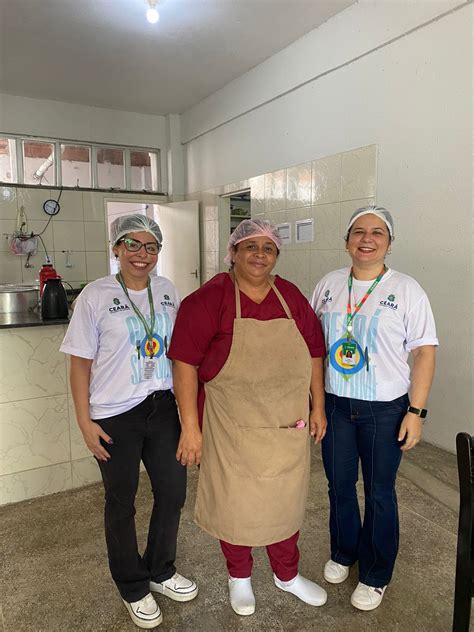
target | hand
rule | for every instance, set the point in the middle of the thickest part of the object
(317, 425)
(92, 434)
(189, 447)
(410, 430)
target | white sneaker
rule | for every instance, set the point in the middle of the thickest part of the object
(178, 588)
(304, 589)
(145, 613)
(335, 573)
(367, 597)
(241, 595)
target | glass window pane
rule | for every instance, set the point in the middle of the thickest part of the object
(8, 160)
(38, 163)
(75, 166)
(110, 168)
(143, 172)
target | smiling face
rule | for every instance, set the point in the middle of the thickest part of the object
(368, 242)
(136, 266)
(255, 258)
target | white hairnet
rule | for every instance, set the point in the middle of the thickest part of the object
(380, 212)
(135, 223)
(251, 228)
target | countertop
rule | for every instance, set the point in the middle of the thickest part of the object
(28, 319)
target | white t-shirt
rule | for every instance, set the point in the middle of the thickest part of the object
(395, 319)
(104, 328)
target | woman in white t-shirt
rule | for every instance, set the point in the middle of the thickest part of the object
(373, 318)
(121, 385)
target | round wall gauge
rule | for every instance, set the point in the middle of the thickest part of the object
(51, 207)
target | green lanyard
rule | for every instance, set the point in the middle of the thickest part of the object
(148, 327)
(350, 314)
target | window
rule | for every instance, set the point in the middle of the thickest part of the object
(143, 171)
(38, 163)
(55, 163)
(110, 168)
(8, 160)
(75, 165)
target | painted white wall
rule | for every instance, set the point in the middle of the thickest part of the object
(411, 97)
(55, 119)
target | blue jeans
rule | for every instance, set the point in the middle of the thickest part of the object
(365, 431)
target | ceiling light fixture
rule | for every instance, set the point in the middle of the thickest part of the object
(152, 14)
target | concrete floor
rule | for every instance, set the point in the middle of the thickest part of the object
(55, 574)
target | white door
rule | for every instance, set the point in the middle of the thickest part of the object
(179, 258)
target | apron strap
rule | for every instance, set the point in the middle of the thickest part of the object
(284, 304)
(238, 309)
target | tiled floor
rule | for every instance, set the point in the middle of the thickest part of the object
(56, 576)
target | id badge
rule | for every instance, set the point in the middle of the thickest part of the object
(149, 365)
(349, 350)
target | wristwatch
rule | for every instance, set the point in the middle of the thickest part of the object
(420, 412)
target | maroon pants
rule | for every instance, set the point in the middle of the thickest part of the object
(284, 557)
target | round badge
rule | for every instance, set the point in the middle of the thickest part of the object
(157, 348)
(336, 358)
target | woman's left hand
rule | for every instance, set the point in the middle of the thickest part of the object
(317, 425)
(410, 430)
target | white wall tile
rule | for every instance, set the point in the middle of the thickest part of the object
(10, 268)
(326, 179)
(94, 237)
(210, 236)
(358, 173)
(293, 265)
(31, 364)
(8, 202)
(77, 271)
(68, 235)
(33, 199)
(327, 227)
(94, 206)
(257, 195)
(96, 264)
(33, 433)
(299, 186)
(85, 472)
(275, 191)
(33, 483)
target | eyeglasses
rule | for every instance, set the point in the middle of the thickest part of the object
(133, 245)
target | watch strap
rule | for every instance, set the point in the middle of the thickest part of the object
(420, 412)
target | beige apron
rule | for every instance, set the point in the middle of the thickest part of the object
(254, 475)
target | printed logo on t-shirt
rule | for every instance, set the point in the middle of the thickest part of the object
(327, 297)
(118, 307)
(390, 302)
(167, 301)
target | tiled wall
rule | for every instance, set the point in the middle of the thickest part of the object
(79, 227)
(41, 447)
(327, 190)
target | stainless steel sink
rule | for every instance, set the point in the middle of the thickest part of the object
(17, 297)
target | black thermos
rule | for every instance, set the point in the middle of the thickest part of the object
(54, 300)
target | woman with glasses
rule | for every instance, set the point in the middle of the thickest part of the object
(121, 385)
(247, 351)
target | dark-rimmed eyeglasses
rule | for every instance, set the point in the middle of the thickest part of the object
(133, 245)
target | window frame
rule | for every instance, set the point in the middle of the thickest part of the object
(94, 148)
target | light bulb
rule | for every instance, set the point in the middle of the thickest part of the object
(152, 15)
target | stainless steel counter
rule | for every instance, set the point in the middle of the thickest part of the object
(28, 319)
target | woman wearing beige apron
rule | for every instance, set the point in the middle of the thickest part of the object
(247, 352)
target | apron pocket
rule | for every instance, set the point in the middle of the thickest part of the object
(270, 452)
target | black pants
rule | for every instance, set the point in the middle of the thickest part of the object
(149, 433)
